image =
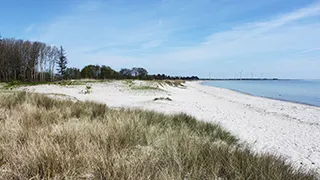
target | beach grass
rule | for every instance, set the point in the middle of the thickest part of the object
(173, 83)
(146, 88)
(155, 84)
(129, 82)
(45, 138)
(16, 84)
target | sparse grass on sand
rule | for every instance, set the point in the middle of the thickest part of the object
(2, 85)
(153, 84)
(17, 84)
(129, 82)
(174, 83)
(145, 88)
(44, 138)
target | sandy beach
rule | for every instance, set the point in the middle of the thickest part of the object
(283, 128)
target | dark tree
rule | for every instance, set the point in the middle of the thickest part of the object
(72, 73)
(107, 72)
(62, 62)
(25, 61)
(125, 73)
(139, 72)
(90, 71)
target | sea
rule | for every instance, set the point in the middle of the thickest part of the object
(298, 91)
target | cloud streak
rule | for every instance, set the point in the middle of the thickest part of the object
(307, 51)
(29, 28)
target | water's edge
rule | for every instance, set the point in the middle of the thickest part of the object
(266, 97)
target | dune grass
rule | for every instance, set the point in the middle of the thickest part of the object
(16, 84)
(149, 85)
(154, 84)
(129, 82)
(145, 88)
(173, 83)
(44, 138)
(2, 85)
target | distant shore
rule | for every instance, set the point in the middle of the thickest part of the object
(288, 129)
(238, 79)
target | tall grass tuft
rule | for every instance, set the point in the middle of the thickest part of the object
(43, 138)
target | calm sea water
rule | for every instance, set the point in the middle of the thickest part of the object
(300, 91)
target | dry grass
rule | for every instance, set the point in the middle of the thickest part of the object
(142, 85)
(174, 83)
(145, 88)
(43, 138)
(2, 85)
(16, 84)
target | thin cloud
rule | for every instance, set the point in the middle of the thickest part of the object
(29, 28)
(307, 50)
(273, 36)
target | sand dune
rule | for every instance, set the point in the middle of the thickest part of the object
(283, 128)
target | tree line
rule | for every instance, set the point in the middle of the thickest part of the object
(106, 72)
(29, 61)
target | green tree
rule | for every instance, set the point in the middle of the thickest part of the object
(125, 73)
(91, 72)
(62, 62)
(139, 72)
(72, 73)
(107, 72)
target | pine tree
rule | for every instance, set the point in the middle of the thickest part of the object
(62, 63)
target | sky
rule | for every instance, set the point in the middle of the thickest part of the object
(207, 38)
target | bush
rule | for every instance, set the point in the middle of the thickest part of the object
(162, 99)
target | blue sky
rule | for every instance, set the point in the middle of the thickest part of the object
(279, 38)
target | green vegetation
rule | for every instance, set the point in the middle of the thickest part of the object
(154, 85)
(88, 89)
(162, 99)
(2, 85)
(16, 84)
(80, 82)
(129, 82)
(44, 138)
(145, 88)
(174, 83)
(151, 85)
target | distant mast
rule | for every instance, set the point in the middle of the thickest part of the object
(241, 75)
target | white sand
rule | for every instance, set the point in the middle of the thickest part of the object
(287, 129)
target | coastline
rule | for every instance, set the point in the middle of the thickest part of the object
(266, 97)
(266, 125)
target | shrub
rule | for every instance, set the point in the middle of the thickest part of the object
(162, 99)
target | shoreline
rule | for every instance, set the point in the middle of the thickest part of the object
(245, 93)
(268, 126)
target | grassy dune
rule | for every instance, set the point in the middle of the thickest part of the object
(43, 138)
